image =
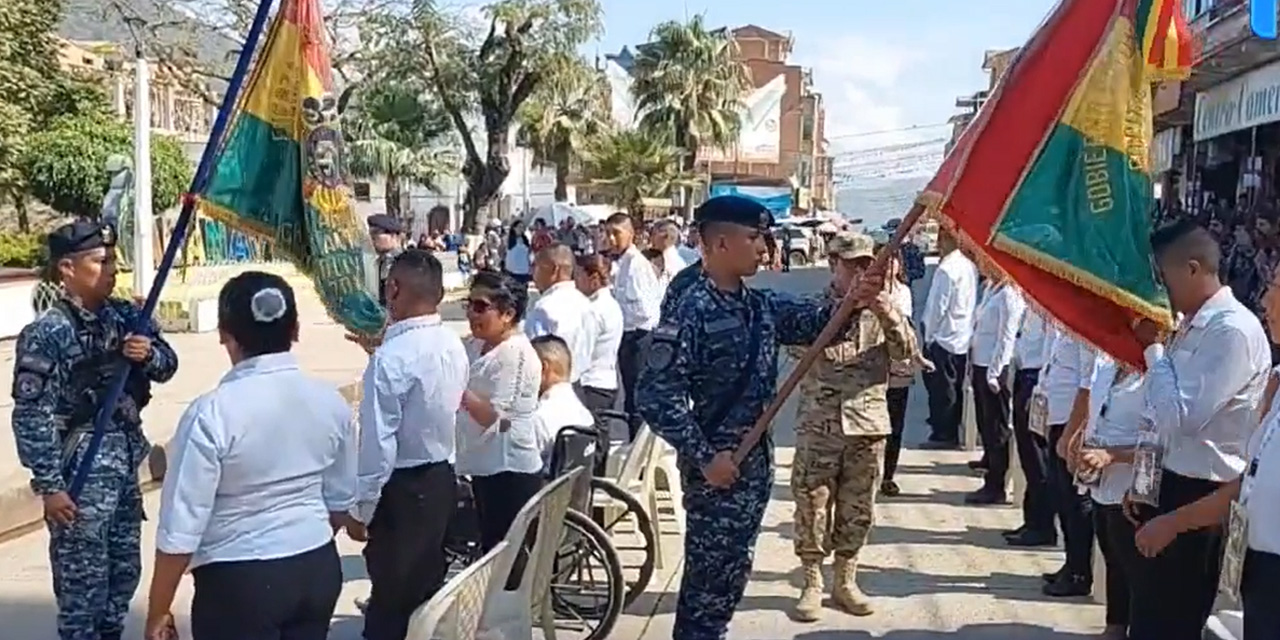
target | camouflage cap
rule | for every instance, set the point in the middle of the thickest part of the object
(849, 245)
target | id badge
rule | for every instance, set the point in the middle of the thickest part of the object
(1234, 553)
(1148, 466)
(1038, 413)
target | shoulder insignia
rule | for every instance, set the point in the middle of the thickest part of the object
(37, 364)
(27, 386)
(664, 340)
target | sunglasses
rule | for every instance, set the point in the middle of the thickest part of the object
(476, 305)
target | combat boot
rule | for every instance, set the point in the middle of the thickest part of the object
(846, 593)
(809, 605)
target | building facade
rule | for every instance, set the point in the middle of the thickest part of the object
(995, 62)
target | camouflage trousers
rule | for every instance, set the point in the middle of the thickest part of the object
(96, 560)
(833, 480)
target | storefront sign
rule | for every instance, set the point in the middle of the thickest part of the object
(1164, 146)
(1262, 18)
(1248, 101)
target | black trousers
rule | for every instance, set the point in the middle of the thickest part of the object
(405, 554)
(897, 398)
(630, 360)
(283, 599)
(991, 410)
(1074, 512)
(1033, 455)
(597, 400)
(1260, 591)
(945, 386)
(1173, 593)
(1119, 553)
(499, 498)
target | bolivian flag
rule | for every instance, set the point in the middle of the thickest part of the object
(279, 172)
(1051, 182)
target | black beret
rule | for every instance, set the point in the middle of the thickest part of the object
(81, 235)
(734, 210)
(383, 223)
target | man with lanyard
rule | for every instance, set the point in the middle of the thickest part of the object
(385, 232)
(710, 370)
(1203, 393)
(64, 364)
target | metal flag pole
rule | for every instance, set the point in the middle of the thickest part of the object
(176, 240)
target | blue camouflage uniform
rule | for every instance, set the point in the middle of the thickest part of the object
(63, 365)
(679, 283)
(699, 364)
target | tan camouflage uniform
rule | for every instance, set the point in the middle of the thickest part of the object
(842, 426)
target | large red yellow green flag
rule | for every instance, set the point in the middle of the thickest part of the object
(1051, 183)
(279, 173)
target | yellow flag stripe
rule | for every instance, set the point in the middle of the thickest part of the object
(284, 80)
(1112, 106)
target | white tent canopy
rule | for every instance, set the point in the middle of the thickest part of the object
(557, 212)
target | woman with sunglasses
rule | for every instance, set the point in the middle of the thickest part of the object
(499, 446)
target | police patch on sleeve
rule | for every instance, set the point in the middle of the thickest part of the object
(27, 386)
(663, 341)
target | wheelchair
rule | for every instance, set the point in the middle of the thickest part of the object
(591, 585)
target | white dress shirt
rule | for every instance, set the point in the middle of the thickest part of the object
(948, 310)
(602, 369)
(638, 291)
(1260, 487)
(1072, 367)
(558, 407)
(509, 376)
(1206, 388)
(1115, 417)
(689, 254)
(258, 465)
(412, 387)
(996, 330)
(564, 312)
(673, 262)
(518, 259)
(1035, 341)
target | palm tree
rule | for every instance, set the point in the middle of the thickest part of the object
(636, 164)
(568, 108)
(396, 133)
(690, 86)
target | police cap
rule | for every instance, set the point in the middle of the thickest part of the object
(78, 236)
(734, 210)
(383, 223)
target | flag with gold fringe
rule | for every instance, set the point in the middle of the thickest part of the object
(279, 172)
(1051, 183)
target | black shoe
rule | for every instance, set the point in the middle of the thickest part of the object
(1053, 577)
(940, 445)
(979, 465)
(889, 489)
(986, 497)
(1031, 538)
(1009, 533)
(1068, 586)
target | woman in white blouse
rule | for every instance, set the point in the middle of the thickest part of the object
(517, 260)
(901, 372)
(599, 383)
(499, 446)
(1116, 407)
(263, 471)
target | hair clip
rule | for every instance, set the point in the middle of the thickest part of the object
(268, 305)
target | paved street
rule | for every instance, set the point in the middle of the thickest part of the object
(934, 565)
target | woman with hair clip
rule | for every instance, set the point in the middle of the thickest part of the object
(263, 469)
(499, 446)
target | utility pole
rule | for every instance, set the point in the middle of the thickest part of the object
(143, 233)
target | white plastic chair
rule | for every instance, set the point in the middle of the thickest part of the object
(631, 469)
(456, 608)
(1225, 625)
(1099, 575)
(664, 463)
(969, 430)
(1016, 484)
(512, 615)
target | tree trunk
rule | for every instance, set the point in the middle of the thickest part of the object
(484, 181)
(688, 163)
(20, 207)
(563, 155)
(391, 194)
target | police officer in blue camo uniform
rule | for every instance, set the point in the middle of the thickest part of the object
(711, 369)
(64, 363)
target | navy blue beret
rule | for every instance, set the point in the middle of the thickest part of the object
(734, 210)
(78, 236)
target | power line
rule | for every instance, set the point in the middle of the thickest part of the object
(913, 127)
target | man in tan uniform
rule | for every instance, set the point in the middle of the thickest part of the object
(842, 426)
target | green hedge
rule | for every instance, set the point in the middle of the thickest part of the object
(21, 249)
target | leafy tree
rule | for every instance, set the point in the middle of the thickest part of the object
(570, 107)
(487, 71)
(65, 165)
(635, 164)
(396, 132)
(689, 86)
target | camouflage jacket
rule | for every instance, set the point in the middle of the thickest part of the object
(844, 392)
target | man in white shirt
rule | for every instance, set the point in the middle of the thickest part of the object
(665, 237)
(948, 330)
(639, 292)
(561, 310)
(1031, 352)
(691, 249)
(1203, 390)
(412, 388)
(995, 333)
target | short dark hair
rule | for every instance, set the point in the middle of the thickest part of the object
(620, 218)
(260, 321)
(596, 264)
(1186, 240)
(553, 348)
(506, 293)
(420, 273)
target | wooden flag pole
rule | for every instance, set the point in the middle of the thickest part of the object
(837, 322)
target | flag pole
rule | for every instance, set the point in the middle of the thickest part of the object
(176, 240)
(829, 333)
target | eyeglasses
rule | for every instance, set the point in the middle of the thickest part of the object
(477, 305)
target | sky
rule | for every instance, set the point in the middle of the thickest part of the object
(881, 65)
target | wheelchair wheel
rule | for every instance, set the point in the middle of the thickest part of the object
(624, 519)
(586, 587)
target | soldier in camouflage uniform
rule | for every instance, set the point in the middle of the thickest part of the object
(710, 370)
(841, 429)
(65, 360)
